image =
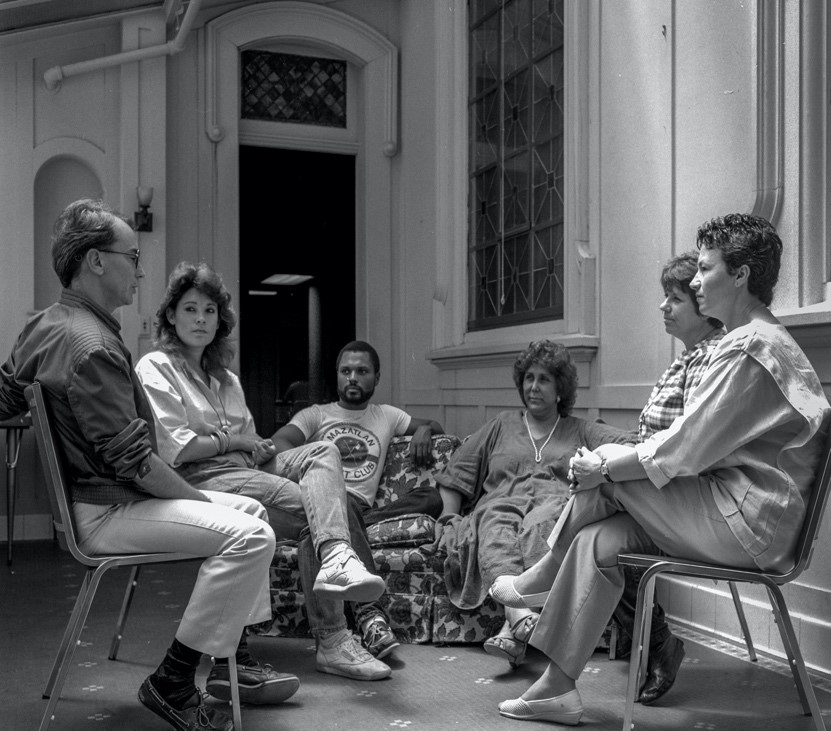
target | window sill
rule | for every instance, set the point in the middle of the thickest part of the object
(818, 314)
(581, 347)
(810, 326)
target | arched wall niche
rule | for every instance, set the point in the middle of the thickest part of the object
(60, 179)
(376, 60)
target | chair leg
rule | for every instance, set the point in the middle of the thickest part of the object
(737, 602)
(639, 656)
(235, 707)
(613, 635)
(125, 608)
(807, 697)
(789, 647)
(68, 633)
(61, 667)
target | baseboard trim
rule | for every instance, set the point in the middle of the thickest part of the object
(706, 608)
(36, 527)
(819, 679)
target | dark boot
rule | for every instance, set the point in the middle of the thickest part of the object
(665, 651)
(663, 667)
(174, 678)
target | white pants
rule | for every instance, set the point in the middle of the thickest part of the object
(232, 531)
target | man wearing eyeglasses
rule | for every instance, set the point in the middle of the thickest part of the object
(125, 498)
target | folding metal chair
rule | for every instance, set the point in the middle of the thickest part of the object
(95, 566)
(614, 634)
(655, 565)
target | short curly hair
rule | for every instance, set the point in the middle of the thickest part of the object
(360, 346)
(745, 239)
(555, 358)
(201, 277)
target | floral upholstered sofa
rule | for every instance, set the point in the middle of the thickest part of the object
(416, 599)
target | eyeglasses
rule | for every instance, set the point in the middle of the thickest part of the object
(134, 255)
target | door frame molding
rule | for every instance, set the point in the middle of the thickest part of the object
(375, 58)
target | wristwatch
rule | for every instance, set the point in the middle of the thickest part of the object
(144, 467)
(604, 470)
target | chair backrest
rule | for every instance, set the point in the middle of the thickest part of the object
(62, 516)
(814, 512)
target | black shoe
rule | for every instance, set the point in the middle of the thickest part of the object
(196, 716)
(379, 639)
(258, 684)
(662, 669)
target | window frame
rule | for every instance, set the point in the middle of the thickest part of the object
(519, 235)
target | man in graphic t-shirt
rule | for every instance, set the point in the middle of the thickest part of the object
(362, 432)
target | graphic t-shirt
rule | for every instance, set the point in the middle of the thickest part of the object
(362, 437)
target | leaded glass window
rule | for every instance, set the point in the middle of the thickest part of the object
(515, 113)
(283, 87)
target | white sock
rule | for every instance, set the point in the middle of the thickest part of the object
(332, 638)
(330, 548)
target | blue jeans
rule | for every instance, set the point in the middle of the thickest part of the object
(302, 489)
(304, 494)
(324, 618)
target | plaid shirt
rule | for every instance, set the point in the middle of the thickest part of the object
(673, 389)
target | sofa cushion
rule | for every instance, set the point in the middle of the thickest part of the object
(409, 571)
(412, 529)
(410, 616)
(286, 556)
(451, 624)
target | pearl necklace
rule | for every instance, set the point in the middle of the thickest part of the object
(538, 452)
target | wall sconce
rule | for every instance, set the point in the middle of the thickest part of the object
(143, 217)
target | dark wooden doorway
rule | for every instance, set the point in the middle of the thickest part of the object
(297, 216)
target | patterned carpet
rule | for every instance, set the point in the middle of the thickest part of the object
(451, 687)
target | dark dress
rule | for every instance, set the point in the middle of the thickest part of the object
(510, 503)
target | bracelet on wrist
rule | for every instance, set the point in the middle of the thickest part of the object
(223, 441)
(226, 433)
(604, 471)
(217, 443)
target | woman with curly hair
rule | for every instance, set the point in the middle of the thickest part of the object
(211, 420)
(205, 431)
(506, 485)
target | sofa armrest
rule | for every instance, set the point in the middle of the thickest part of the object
(401, 474)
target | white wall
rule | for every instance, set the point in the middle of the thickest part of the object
(692, 112)
(672, 135)
(57, 146)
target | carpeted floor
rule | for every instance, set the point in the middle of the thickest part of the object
(452, 687)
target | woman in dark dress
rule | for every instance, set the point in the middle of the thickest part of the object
(506, 485)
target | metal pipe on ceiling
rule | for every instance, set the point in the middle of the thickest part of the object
(53, 76)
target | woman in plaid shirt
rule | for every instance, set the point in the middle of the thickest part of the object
(699, 334)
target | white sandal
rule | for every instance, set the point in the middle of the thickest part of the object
(511, 642)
